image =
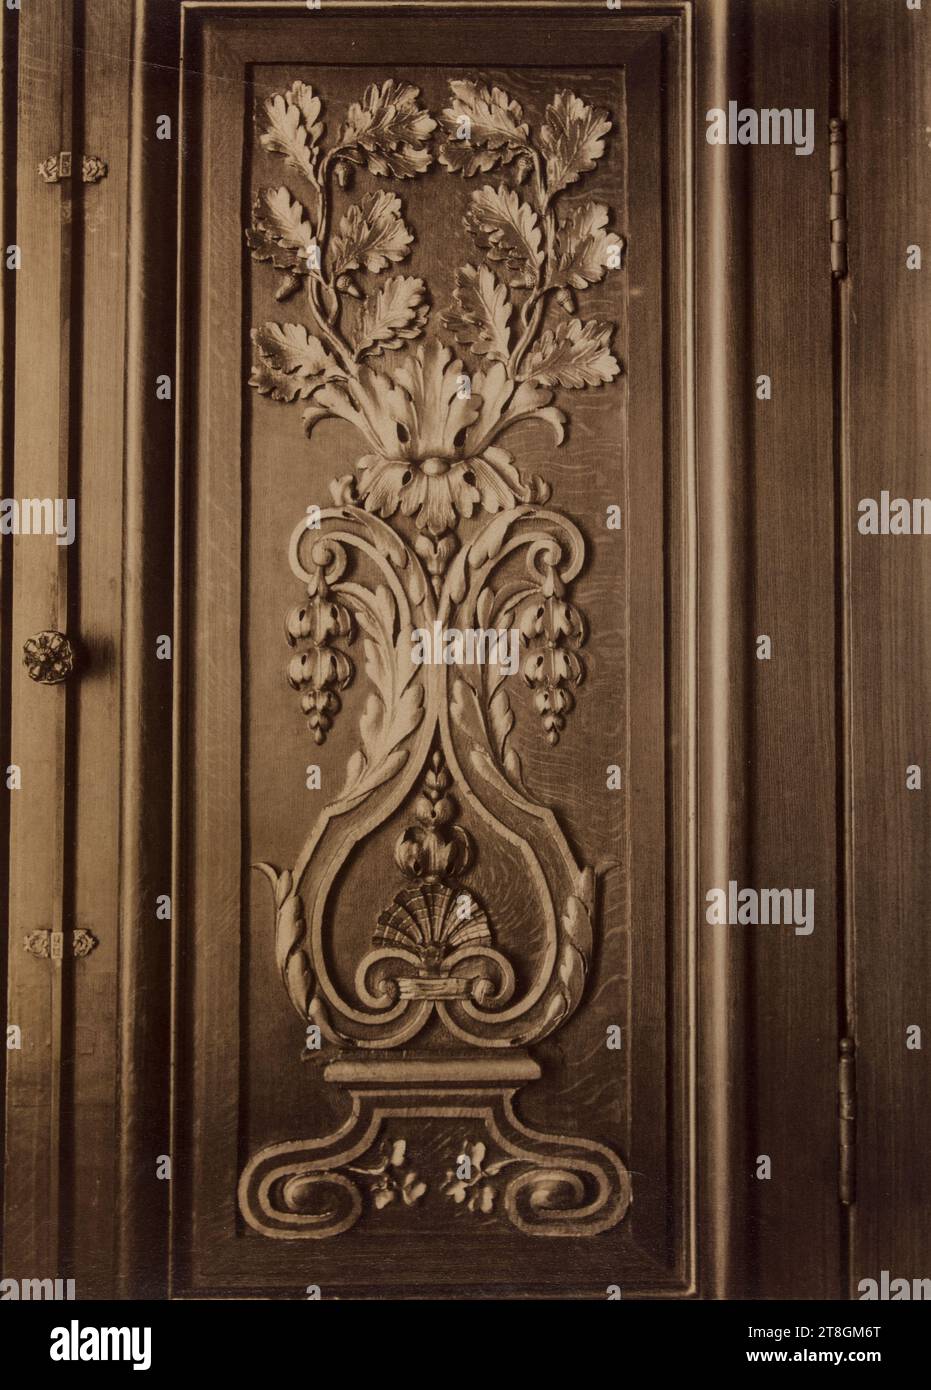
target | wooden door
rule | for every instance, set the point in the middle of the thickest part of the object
(370, 333)
(417, 901)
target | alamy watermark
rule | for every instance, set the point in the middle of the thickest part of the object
(77, 1343)
(466, 646)
(37, 1290)
(734, 906)
(894, 1290)
(38, 516)
(769, 126)
(894, 516)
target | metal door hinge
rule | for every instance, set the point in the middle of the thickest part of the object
(847, 1121)
(838, 208)
(50, 945)
(58, 167)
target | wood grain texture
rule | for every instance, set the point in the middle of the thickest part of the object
(145, 952)
(722, 441)
(791, 1076)
(103, 58)
(8, 94)
(37, 739)
(890, 678)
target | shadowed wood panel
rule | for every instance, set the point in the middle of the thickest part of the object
(791, 1077)
(890, 309)
(38, 712)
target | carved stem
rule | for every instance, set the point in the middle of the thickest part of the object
(535, 304)
(328, 322)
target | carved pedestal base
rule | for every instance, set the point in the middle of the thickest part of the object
(543, 1184)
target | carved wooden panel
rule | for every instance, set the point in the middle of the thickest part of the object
(470, 882)
(436, 629)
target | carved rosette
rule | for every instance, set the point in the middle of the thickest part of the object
(437, 526)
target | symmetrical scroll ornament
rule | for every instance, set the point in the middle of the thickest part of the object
(548, 1185)
(436, 531)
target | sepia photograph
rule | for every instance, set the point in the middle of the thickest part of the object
(465, 560)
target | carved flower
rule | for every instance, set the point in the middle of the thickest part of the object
(432, 430)
(475, 1192)
(393, 1178)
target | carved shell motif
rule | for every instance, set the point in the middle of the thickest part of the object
(431, 920)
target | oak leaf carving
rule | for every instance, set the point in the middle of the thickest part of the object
(572, 139)
(371, 234)
(386, 131)
(291, 362)
(573, 354)
(582, 246)
(276, 235)
(283, 220)
(497, 131)
(396, 313)
(508, 230)
(293, 128)
(481, 313)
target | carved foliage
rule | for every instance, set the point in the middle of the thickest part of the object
(431, 430)
(434, 454)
